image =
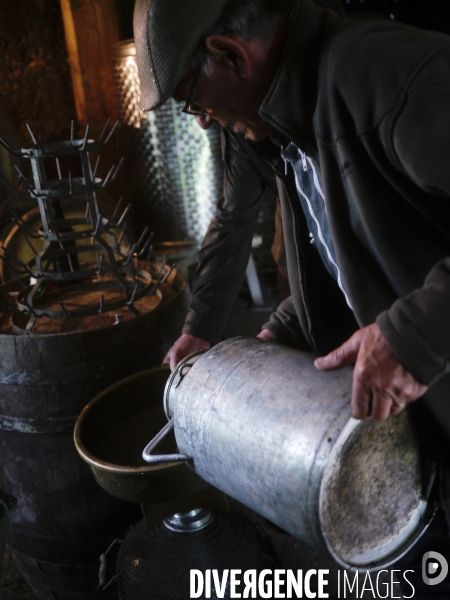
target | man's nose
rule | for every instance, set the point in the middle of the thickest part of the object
(204, 122)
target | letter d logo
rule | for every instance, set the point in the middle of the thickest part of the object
(432, 563)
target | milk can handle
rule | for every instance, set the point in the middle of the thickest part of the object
(161, 459)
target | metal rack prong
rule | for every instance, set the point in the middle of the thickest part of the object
(35, 140)
(124, 214)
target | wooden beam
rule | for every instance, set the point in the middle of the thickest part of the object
(91, 28)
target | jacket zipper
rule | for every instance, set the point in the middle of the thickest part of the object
(287, 161)
(279, 175)
(304, 163)
(301, 262)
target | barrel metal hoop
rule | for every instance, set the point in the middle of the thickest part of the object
(48, 425)
(64, 376)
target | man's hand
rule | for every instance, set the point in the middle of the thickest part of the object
(381, 385)
(265, 335)
(185, 345)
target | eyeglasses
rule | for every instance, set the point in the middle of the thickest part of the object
(190, 107)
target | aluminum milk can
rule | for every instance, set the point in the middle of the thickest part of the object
(259, 422)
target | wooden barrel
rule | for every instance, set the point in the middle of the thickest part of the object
(62, 519)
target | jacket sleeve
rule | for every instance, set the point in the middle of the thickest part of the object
(285, 326)
(225, 250)
(417, 326)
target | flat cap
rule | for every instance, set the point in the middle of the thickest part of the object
(166, 34)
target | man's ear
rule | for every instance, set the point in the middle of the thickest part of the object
(231, 53)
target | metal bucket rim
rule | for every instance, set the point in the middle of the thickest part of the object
(90, 458)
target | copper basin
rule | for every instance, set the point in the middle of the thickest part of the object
(114, 428)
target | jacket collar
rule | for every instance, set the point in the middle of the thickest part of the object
(290, 102)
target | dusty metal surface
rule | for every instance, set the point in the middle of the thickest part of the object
(371, 496)
(259, 422)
